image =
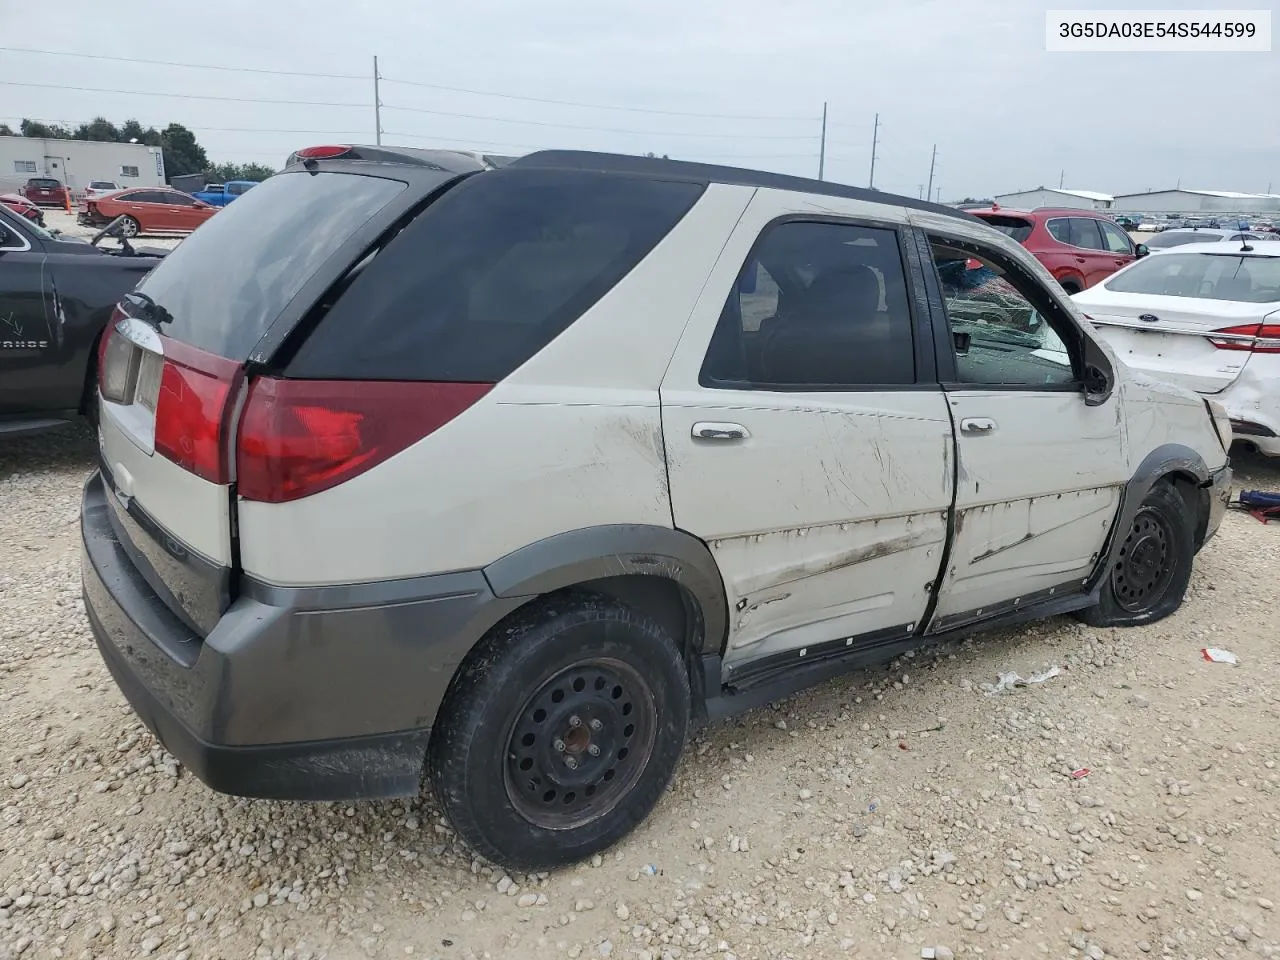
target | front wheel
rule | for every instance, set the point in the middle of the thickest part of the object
(129, 227)
(1151, 569)
(560, 732)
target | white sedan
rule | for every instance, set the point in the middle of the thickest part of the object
(1204, 316)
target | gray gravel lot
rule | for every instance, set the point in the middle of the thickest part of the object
(883, 813)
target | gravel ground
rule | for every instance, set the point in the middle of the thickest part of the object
(876, 816)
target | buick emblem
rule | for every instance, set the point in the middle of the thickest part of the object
(1148, 317)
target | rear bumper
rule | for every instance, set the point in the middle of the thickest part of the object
(296, 693)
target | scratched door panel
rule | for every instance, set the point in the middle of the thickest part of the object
(827, 521)
(1035, 496)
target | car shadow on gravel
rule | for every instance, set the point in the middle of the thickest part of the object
(67, 448)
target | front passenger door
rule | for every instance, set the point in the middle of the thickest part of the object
(1040, 472)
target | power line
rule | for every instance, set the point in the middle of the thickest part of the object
(573, 126)
(594, 106)
(193, 66)
(182, 96)
(411, 83)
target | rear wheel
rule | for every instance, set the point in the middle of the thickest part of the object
(560, 733)
(1149, 575)
(1070, 286)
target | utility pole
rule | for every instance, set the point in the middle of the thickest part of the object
(1062, 178)
(822, 147)
(920, 191)
(932, 161)
(875, 138)
(939, 200)
(377, 107)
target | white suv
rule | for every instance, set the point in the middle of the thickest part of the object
(519, 472)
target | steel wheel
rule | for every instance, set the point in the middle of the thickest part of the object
(579, 744)
(1145, 565)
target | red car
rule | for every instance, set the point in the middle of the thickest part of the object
(147, 210)
(45, 191)
(23, 207)
(1079, 247)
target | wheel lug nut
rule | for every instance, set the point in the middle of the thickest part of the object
(575, 721)
(559, 745)
(596, 724)
(593, 750)
(571, 763)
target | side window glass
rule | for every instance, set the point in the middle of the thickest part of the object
(817, 305)
(1001, 336)
(1116, 239)
(1060, 229)
(1084, 233)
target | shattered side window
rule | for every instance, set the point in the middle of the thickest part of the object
(1005, 339)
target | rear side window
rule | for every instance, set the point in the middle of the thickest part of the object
(817, 305)
(489, 275)
(1015, 228)
(225, 284)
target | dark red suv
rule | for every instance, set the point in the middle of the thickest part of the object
(1079, 247)
(44, 191)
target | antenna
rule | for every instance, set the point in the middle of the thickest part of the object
(875, 137)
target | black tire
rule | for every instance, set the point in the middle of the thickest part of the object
(1070, 286)
(560, 732)
(1149, 576)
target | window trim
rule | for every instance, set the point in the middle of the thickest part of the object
(944, 340)
(912, 275)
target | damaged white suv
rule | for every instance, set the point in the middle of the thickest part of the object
(510, 475)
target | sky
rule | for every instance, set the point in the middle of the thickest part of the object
(741, 83)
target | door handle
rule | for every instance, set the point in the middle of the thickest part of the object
(719, 431)
(1080, 260)
(978, 425)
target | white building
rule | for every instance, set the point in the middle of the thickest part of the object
(1196, 201)
(1051, 197)
(75, 162)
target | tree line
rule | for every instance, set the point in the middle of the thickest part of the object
(183, 153)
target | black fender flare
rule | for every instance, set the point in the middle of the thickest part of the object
(615, 550)
(1164, 461)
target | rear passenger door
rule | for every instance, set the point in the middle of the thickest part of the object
(808, 442)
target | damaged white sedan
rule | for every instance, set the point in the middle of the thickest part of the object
(1205, 316)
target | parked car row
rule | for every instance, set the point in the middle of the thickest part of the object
(1160, 224)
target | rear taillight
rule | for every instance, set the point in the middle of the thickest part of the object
(1249, 337)
(298, 437)
(105, 339)
(192, 409)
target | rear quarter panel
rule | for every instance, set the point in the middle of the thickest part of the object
(571, 439)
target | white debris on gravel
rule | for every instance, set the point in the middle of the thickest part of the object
(885, 819)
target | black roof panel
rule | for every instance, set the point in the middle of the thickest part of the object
(712, 173)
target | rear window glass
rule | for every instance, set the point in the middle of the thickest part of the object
(44, 184)
(1174, 238)
(1202, 276)
(224, 285)
(1013, 227)
(489, 275)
